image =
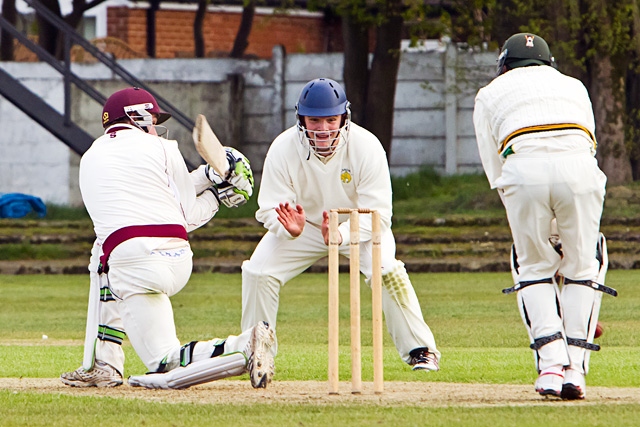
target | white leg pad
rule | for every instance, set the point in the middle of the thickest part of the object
(540, 310)
(582, 309)
(604, 259)
(204, 371)
(513, 261)
(93, 319)
(103, 320)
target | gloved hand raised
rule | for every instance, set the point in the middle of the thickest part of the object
(229, 195)
(239, 175)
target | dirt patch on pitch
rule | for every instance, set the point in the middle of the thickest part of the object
(432, 394)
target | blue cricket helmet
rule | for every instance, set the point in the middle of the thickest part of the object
(322, 98)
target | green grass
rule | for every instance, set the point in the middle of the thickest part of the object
(61, 410)
(45, 251)
(59, 212)
(426, 193)
(113, 412)
(478, 330)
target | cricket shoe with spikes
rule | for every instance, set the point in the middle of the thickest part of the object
(549, 382)
(423, 360)
(574, 386)
(261, 366)
(101, 375)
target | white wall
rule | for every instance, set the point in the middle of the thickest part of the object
(33, 161)
(432, 120)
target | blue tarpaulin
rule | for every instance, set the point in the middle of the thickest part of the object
(17, 205)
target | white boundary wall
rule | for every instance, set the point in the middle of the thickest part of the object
(432, 120)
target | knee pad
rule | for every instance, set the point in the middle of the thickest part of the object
(109, 318)
(515, 273)
(192, 352)
(603, 258)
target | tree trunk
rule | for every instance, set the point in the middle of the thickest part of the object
(198, 23)
(356, 65)
(242, 37)
(633, 125)
(607, 96)
(382, 81)
(633, 98)
(47, 32)
(6, 41)
(152, 38)
(79, 7)
(569, 47)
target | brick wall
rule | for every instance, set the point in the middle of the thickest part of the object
(174, 32)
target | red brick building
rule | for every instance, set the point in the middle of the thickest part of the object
(298, 32)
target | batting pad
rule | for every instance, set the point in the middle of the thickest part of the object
(204, 371)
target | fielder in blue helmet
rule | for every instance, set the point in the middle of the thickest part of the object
(323, 116)
(300, 184)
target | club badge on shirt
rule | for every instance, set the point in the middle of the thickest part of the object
(345, 176)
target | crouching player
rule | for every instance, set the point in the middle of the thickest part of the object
(142, 201)
(324, 162)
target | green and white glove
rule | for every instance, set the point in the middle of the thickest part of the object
(240, 174)
(236, 187)
(228, 195)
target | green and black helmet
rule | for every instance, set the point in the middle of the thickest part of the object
(524, 49)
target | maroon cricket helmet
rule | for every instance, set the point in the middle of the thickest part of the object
(114, 108)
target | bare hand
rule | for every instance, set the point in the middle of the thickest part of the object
(325, 229)
(292, 219)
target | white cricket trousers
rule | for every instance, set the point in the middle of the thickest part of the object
(567, 186)
(142, 281)
(276, 261)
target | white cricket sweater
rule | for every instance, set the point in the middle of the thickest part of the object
(357, 176)
(129, 178)
(525, 97)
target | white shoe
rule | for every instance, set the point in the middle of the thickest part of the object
(423, 360)
(549, 382)
(101, 375)
(261, 366)
(574, 386)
